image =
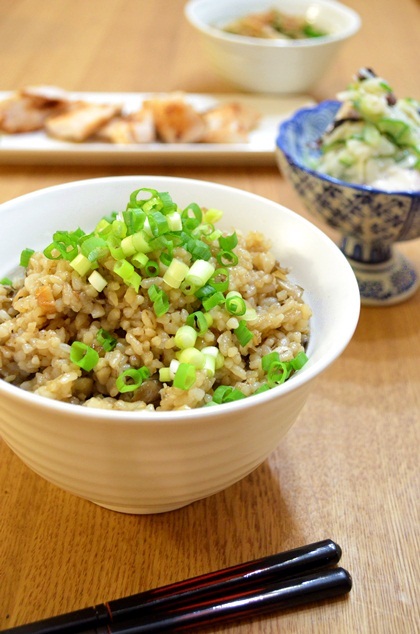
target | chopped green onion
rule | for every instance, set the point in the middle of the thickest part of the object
(235, 305)
(134, 220)
(199, 273)
(127, 246)
(212, 215)
(131, 379)
(141, 243)
(94, 248)
(278, 373)
(243, 333)
(185, 376)
(81, 264)
(220, 279)
(151, 268)
(173, 366)
(209, 365)
(187, 288)
(139, 260)
(83, 355)
(161, 305)
(119, 229)
(227, 394)
(158, 223)
(198, 249)
(165, 375)
(53, 252)
(199, 321)
(227, 258)
(214, 300)
(97, 281)
(168, 205)
(193, 356)
(107, 341)
(114, 246)
(192, 216)
(175, 273)
(160, 300)
(205, 291)
(268, 359)
(124, 269)
(174, 221)
(6, 281)
(213, 357)
(103, 227)
(299, 361)
(264, 387)
(25, 256)
(66, 245)
(227, 243)
(185, 337)
(165, 258)
(154, 291)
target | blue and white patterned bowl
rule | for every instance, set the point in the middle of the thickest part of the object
(370, 220)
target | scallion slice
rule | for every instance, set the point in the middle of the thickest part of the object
(212, 215)
(160, 300)
(185, 376)
(97, 281)
(185, 337)
(268, 359)
(213, 301)
(227, 258)
(81, 264)
(199, 273)
(199, 321)
(94, 248)
(278, 373)
(227, 394)
(192, 356)
(235, 305)
(107, 341)
(151, 268)
(139, 260)
(243, 333)
(228, 243)
(192, 216)
(25, 256)
(83, 355)
(131, 379)
(6, 281)
(175, 273)
(299, 361)
(220, 279)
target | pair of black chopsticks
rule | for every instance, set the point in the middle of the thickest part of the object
(285, 580)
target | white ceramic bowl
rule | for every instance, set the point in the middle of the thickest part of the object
(268, 65)
(151, 462)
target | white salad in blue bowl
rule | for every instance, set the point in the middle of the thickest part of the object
(355, 162)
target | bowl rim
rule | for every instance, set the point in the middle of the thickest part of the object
(298, 380)
(353, 27)
(325, 105)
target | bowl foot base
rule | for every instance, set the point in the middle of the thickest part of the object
(385, 283)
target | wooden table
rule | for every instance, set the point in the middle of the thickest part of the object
(348, 469)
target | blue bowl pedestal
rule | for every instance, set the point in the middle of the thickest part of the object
(388, 279)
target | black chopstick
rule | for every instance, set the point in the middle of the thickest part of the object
(325, 584)
(256, 574)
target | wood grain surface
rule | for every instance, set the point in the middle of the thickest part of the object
(349, 467)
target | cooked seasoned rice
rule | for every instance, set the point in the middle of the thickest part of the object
(51, 306)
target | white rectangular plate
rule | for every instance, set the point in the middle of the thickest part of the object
(38, 148)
